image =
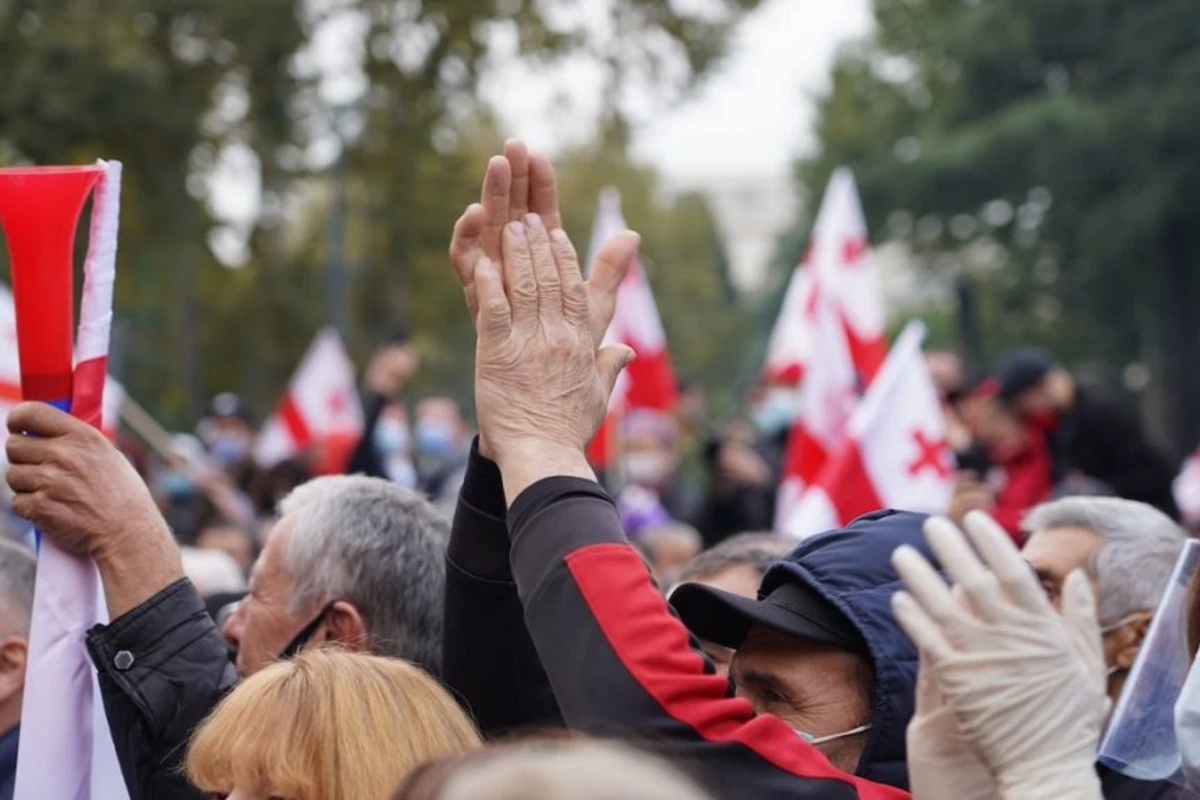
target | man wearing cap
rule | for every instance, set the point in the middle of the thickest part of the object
(1091, 436)
(825, 678)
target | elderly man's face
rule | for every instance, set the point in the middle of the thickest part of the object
(263, 625)
(1054, 553)
(813, 687)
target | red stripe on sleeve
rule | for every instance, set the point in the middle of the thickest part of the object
(653, 646)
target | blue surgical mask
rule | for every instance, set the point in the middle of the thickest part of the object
(775, 412)
(814, 740)
(391, 436)
(229, 449)
(176, 485)
(434, 439)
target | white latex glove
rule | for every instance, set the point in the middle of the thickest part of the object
(942, 762)
(1026, 685)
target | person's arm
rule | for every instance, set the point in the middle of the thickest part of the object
(163, 667)
(488, 659)
(621, 663)
(365, 459)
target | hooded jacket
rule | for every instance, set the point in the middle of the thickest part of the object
(851, 568)
(600, 650)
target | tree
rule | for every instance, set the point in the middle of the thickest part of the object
(1038, 150)
(171, 88)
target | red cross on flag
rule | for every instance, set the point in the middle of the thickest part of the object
(837, 266)
(321, 404)
(895, 454)
(649, 380)
(827, 399)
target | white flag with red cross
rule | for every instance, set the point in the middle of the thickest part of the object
(321, 402)
(648, 382)
(837, 267)
(895, 454)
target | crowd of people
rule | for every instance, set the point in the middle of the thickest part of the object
(466, 616)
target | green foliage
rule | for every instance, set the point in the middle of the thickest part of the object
(1040, 151)
(167, 87)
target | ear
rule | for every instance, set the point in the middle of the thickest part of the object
(14, 654)
(1131, 636)
(345, 625)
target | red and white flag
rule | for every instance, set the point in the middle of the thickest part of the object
(895, 454)
(837, 267)
(10, 375)
(1187, 489)
(320, 403)
(648, 382)
(827, 400)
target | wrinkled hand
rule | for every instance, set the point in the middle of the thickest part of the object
(518, 183)
(73, 484)
(1026, 686)
(541, 386)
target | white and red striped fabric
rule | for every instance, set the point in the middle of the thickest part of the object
(66, 748)
(649, 380)
(1187, 490)
(895, 454)
(838, 266)
(10, 375)
(827, 399)
(320, 402)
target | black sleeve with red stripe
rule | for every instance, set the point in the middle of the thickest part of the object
(621, 664)
(488, 659)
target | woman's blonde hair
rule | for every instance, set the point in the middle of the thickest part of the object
(328, 725)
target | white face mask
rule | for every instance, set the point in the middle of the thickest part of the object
(647, 469)
(814, 740)
(1187, 726)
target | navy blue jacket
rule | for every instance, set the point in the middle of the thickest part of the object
(851, 568)
(600, 650)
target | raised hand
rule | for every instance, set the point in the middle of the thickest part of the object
(541, 386)
(1025, 685)
(517, 183)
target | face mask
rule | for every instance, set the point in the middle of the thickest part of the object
(775, 412)
(434, 439)
(177, 485)
(228, 449)
(808, 737)
(306, 633)
(1187, 726)
(647, 469)
(391, 437)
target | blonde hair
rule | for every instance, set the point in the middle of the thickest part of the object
(549, 769)
(328, 725)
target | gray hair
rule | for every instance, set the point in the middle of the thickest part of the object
(755, 550)
(18, 569)
(1141, 546)
(379, 546)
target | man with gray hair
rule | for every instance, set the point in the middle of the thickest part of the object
(1127, 548)
(17, 569)
(353, 560)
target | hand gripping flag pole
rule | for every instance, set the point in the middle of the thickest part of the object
(39, 210)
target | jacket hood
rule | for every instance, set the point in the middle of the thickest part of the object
(851, 568)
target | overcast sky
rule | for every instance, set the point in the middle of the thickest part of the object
(750, 117)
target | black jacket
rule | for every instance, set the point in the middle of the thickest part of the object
(575, 613)
(163, 667)
(731, 508)
(1105, 441)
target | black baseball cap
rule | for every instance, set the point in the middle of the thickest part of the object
(792, 608)
(1022, 369)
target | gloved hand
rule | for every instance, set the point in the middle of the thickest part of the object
(942, 762)
(1025, 685)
